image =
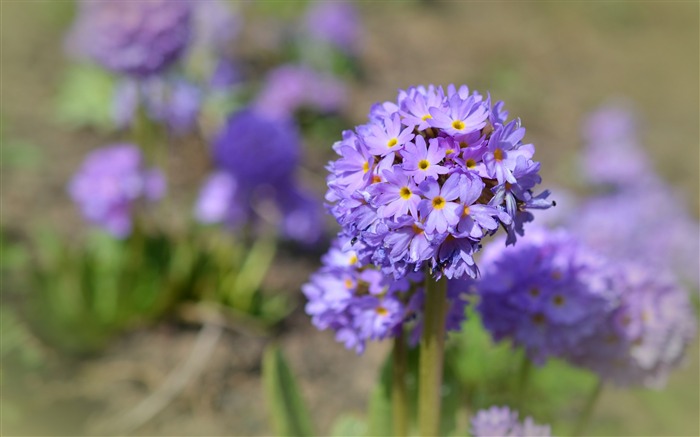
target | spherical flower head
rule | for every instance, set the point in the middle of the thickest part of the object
(546, 294)
(503, 422)
(646, 335)
(136, 38)
(612, 154)
(336, 23)
(292, 87)
(257, 150)
(429, 176)
(110, 182)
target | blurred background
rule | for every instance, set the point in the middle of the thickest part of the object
(81, 371)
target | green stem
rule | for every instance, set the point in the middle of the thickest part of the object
(432, 347)
(585, 416)
(399, 392)
(252, 272)
(523, 379)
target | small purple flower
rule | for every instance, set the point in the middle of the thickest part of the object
(503, 152)
(387, 138)
(217, 202)
(137, 38)
(109, 184)
(438, 206)
(397, 196)
(503, 422)
(460, 117)
(423, 162)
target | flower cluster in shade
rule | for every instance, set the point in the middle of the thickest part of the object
(647, 333)
(109, 185)
(136, 38)
(503, 422)
(335, 23)
(547, 293)
(292, 87)
(175, 103)
(429, 176)
(255, 158)
(355, 300)
(555, 297)
(614, 221)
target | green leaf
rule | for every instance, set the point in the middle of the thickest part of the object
(85, 97)
(289, 414)
(379, 414)
(348, 425)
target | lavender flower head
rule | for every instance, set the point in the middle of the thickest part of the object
(429, 176)
(646, 335)
(291, 87)
(137, 38)
(612, 153)
(355, 300)
(502, 422)
(256, 158)
(547, 294)
(335, 23)
(110, 182)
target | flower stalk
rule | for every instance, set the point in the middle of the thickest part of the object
(585, 416)
(432, 348)
(399, 391)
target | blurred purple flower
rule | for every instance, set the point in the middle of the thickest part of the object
(256, 158)
(110, 182)
(291, 87)
(336, 23)
(216, 26)
(137, 38)
(503, 422)
(612, 153)
(647, 334)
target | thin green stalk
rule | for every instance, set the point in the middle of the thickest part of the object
(399, 392)
(432, 348)
(523, 379)
(585, 416)
(252, 272)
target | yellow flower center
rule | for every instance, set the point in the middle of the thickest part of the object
(458, 124)
(449, 152)
(376, 178)
(558, 300)
(426, 116)
(392, 142)
(463, 144)
(438, 202)
(423, 164)
(538, 319)
(417, 230)
(382, 311)
(405, 193)
(466, 210)
(534, 292)
(471, 163)
(365, 167)
(349, 283)
(353, 260)
(498, 155)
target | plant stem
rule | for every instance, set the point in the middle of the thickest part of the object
(523, 379)
(399, 392)
(588, 409)
(432, 347)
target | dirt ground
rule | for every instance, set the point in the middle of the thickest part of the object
(551, 61)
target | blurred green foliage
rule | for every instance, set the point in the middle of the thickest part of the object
(85, 98)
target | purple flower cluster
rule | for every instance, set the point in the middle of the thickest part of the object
(256, 157)
(175, 103)
(502, 422)
(110, 182)
(360, 303)
(335, 23)
(137, 38)
(292, 87)
(429, 176)
(645, 336)
(547, 294)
